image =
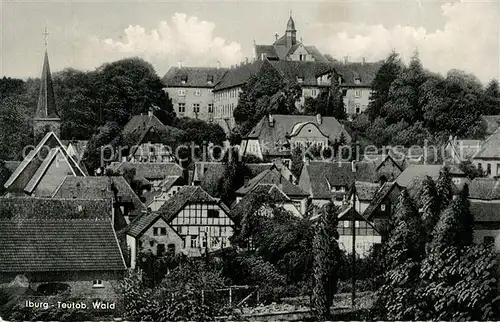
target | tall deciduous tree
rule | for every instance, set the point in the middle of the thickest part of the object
(387, 73)
(398, 298)
(444, 187)
(492, 98)
(325, 263)
(430, 206)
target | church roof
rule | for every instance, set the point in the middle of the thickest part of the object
(290, 26)
(193, 76)
(46, 108)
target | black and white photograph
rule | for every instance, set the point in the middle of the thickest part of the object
(243, 160)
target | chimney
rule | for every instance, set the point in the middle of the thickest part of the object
(276, 36)
(271, 120)
(450, 138)
(353, 166)
(150, 112)
(346, 60)
(363, 61)
(246, 60)
(218, 64)
(319, 118)
(262, 56)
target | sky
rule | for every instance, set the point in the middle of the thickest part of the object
(83, 35)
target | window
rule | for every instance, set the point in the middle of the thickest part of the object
(488, 240)
(197, 92)
(194, 241)
(357, 93)
(97, 284)
(152, 243)
(160, 249)
(358, 109)
(163, 231)
(382, 207)
(356, 223)
(300, 79)
(182, 107)
(196, 108)
(212, 213)
(155, 231)
(357, 80)
(181, 92)
(488, 169)
(171, 248)
(314, 92)
(210, 108)
(346, 224)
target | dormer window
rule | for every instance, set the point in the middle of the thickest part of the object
(210, 79)
(300, 79)
(357, 81)
(184, 79)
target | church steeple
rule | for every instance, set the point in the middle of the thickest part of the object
(46, 117)
(291, 32)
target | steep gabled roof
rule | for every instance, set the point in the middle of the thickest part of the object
(380, 195)
(160, 187)
(267, 50)
(143, 222)
(273, 176)
(414, 171)
(238, 76)
(491, 147)
(46, 107)
(307, 70)
(187, 195)
(366, 191)
(193, 76)
(319, 177)
(484, 189)
(150, 170)
(33, 167)
(100, 188)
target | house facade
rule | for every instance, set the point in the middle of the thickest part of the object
(484, 197)
(275, 136)
(191, 90)
(367, 236)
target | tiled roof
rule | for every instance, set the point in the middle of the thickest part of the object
(160, 187)
(307, 70)
(99, 188)
(420, 170)
(283, 125)
(29, 171)
(366, 73)
(193, 76)
(485, 211)
(238, 76)
(267, 50)
(465, 149)
(484, 189)
(273, 176)
(209, 174)
(319, 177)
(378, 159)
(51, 245)
(492, 123)
(317, 55)
(139, 125)
(491, 147)
(185, 195)
(250, 203)
(150, 170)
(52, 208)
(379, 197)
(365, 191)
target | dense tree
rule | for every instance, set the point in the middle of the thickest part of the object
(398, 298)
(444, 187)
(263, 93)
(102, 147)
(458, 278)
(11, 87)
(326, 262)
(387, 73)
(429, 199)
(16, 127)
(330, 102)
(233, 178)
(128, 87)
(492, 98)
